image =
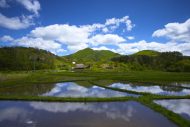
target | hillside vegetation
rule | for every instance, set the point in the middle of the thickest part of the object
(91, 55)
(22, 58)
(152, 60)
(149, 53)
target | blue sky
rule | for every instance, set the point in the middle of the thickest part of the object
(123, 26)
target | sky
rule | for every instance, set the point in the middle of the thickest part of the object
(123, 26)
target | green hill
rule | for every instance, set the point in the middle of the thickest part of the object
(148, 53)
(22, 58)
(89, 54)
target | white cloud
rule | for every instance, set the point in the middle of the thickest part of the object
(78, 37)
(108, 39)
(75, 37)
(129, 25)
(70, 35)
(38, 42)
(3, 4)
(175, 31)
(130, 48)
(75, 48)
(30, 5)
(105, 30)
(6, 38)
(131, 37)
(15, 23)
(104, 48)
(116, 23)
(61, 50)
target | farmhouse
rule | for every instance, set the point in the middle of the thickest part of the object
(79, 66)
(109, 67)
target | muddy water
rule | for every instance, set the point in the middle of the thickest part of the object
(109, 114)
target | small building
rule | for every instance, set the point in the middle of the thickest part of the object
(79, 66)
(63, 65)
(88, 67)
(109, 67)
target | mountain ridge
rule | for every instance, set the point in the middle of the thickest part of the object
(89, 54)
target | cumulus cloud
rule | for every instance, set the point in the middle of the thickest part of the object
(105, 30)
(108, 39)
(131, 37)
(38, 42)
(30, 5)
(6, 38)
(175, 31)
(115, 22)
(130, 48)
(75, 48)
(61, 50)
(104, 48)
(3, 4)
(75, 37)
(70, 35)
(16, 23)
(78, 37)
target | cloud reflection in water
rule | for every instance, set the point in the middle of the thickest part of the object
(150, 89)
(180, 106)
(71, 89)
(112, 111)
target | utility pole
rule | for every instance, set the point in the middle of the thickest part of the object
(34, 62)
(34, 65)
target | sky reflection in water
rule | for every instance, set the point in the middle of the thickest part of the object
(71, 89)
(180, 106)
(184, 84)
(162, 90)
(128, 113)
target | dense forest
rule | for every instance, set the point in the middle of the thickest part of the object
(165, 61)
(22, 58)
(90, 55)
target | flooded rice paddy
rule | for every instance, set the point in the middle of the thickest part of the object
(142, 87)
(108, 114)
(65, 89)
(184, 84)
(179, 106)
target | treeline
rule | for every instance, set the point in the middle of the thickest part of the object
(22, 58)
(165, 61)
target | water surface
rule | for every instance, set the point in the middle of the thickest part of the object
(65, 89)
(116, 114)
(162, 90)
(184, 84)
(180, 106)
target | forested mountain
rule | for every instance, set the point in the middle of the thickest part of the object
(165, 61)
(22, 58)
(148, 53)
(89, 54)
